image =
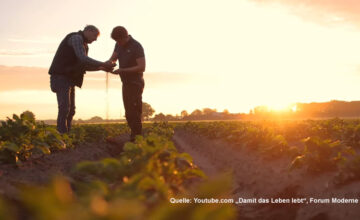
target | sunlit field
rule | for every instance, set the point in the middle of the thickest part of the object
(170, 159)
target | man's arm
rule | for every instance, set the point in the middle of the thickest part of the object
(78, 44)
(90, 64)
(139, 68)
(113, 57)
(93, 68)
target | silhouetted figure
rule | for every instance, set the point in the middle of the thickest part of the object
(131, 57)
(67, 71)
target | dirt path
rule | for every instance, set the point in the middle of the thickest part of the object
(202, 162)
(255, 177)
(41, 170)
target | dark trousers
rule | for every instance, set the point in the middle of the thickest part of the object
(132, 97)
(65, 94)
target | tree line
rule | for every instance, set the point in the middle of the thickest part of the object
(330, 109)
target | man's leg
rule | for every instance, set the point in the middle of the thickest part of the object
(137, 110)
(61, 86)
(71, 107)
(126, 92)
(132, 97)
(63, 100)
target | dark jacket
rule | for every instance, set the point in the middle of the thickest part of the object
(66, 62)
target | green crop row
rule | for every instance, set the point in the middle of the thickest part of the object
(317, 146)
(138, 184)
(249, 135)
(21, 137)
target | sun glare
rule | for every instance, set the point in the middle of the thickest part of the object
(282, 107)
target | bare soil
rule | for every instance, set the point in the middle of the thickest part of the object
(39, 171)
(256, 177)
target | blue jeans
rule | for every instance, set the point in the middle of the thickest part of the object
(65, 94)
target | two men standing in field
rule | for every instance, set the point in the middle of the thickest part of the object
(71, 63)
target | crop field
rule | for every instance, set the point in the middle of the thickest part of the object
(282, 169)
(195, 170)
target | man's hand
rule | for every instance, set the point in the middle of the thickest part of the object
(108, 65)
(106, 69)
(118, 72)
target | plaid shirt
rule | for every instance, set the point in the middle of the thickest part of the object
(77, 42)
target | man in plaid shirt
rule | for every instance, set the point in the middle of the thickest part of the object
(67, 71)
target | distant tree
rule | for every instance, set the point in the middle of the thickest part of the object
(96, 119)
(147, 111)
(225, 112)
(195, 115)
(184, 114)
(169, 117)
(160, 117)
(208, 111)
(80, 121)
(196, 112)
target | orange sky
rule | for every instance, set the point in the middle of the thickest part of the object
(231, 54)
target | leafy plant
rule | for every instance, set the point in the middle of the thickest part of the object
(22, 137)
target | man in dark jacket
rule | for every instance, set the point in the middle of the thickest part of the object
(131, 57)
(67, 71)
